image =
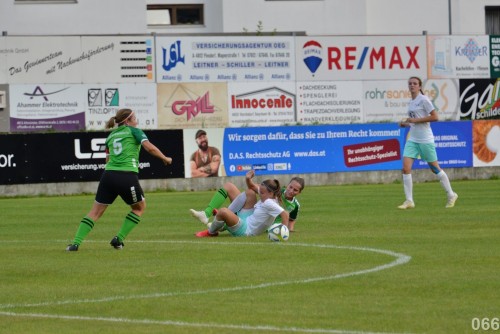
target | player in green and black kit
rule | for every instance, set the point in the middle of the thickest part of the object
(290, 202)
(120, 177)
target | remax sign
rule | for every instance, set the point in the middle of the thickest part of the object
(360, 58)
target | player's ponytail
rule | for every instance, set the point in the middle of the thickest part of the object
(274, 187)
(121, 116)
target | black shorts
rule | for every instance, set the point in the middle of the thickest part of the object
(116, 183)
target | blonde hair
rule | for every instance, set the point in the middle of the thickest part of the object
(121, 116)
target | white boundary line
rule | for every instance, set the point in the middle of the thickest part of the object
(189, 324)
(400, 260)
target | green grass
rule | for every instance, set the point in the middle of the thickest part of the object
(339, 273)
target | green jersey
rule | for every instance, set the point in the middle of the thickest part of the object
(291, 206)
(123, 146)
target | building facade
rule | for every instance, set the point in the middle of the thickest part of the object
(311, 17)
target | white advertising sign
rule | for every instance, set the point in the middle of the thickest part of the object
(385, 101)
(444, 94)
(123, 59)
(359, 57)
(52, 59)
(104, 100)
(261, 104)
(330, 102)
(46, 107)
(192, 105)
(78, 59)
(458, 57)
(224, 59)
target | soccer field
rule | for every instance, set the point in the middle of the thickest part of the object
(356, 264)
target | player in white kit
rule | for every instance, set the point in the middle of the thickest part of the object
(420, 143)
(256, 216)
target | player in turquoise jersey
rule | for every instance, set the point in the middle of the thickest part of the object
(120, 177)
(238, 200)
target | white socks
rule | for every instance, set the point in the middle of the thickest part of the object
(408, 184)
(215, 226)
(238, 203)
(408, 187)
(445, 182)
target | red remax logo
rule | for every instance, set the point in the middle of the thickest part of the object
(350, 58)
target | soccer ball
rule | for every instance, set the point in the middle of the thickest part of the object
(278, 232)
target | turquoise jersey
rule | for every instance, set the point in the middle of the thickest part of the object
(291, 206)
(123, 145)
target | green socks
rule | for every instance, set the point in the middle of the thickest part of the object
(216, 202)
(129, 223)
(85, 227)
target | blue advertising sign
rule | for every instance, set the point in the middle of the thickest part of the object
(453, 144)
(313, 149)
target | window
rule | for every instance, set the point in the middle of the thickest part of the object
(492, 15)
(43, 1)
(174, 14)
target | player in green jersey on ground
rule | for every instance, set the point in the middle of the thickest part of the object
(238, 200)
(120, 177)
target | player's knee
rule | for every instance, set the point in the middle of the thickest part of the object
(139, 207)
(222, 213)
(228, 186)
(406, 170)
(251, 194)
(434, 169)
(231, 190)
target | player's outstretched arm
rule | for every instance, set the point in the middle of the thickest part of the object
(155, 152)
(284, 217)
(250, 184)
